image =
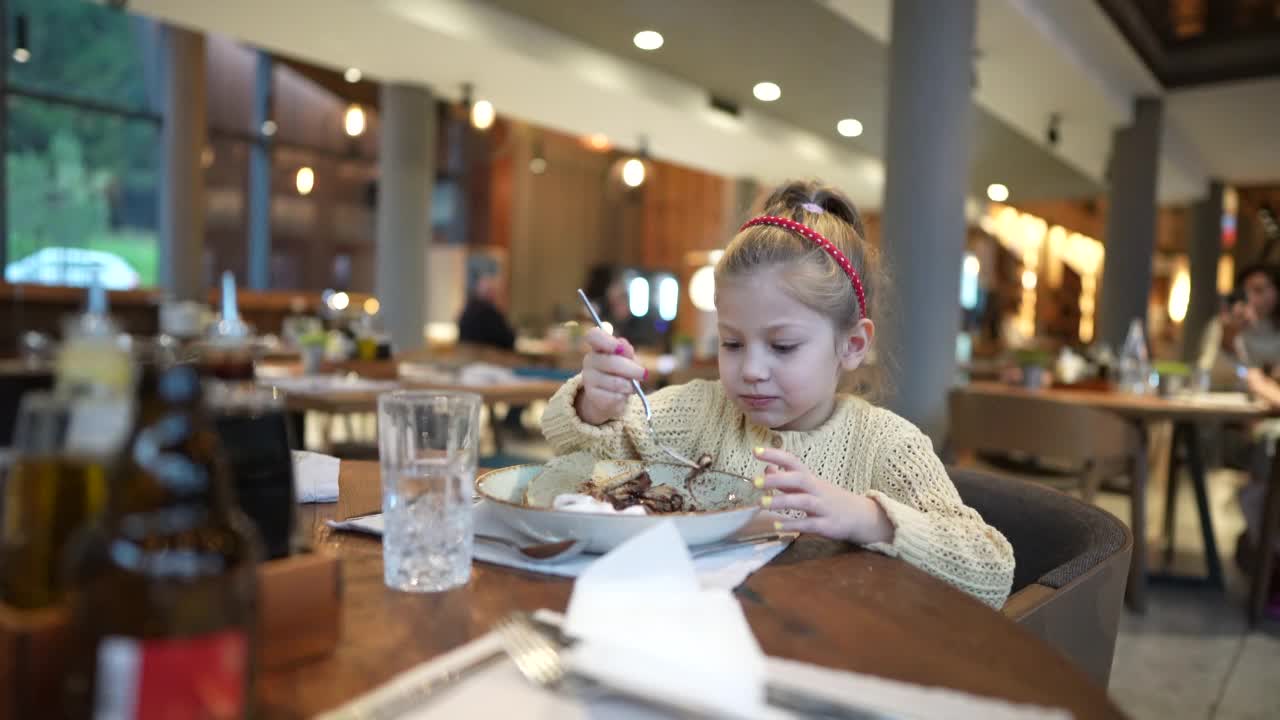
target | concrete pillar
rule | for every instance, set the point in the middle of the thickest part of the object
(1204, 249)
(929, 121)
(1131, 223)
(184, 136)
(260, 178)
(406, 177)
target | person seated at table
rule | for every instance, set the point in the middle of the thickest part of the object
(1247, 331)
(482, 321)
(796, 294)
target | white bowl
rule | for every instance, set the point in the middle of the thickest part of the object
(504, 490)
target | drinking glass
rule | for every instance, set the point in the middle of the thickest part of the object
(427, 448)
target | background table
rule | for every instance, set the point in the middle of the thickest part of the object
(820, 602)
(1171, 424)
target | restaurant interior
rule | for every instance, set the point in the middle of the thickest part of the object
(282, 277)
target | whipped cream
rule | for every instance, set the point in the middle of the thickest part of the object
(576, 502)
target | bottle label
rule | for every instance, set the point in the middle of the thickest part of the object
(196, 678)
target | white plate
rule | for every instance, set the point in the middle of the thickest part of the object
(602, 532)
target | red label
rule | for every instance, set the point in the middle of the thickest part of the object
(195, 678)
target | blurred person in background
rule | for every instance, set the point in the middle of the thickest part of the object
(1247, 331)
(482, 321)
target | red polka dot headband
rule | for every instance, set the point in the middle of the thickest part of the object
(817, 238)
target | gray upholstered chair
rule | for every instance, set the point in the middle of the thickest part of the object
(1072, 564)
(1060, 443)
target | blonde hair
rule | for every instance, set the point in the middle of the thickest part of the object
(807, 272)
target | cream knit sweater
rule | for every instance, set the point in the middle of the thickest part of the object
(861, 448)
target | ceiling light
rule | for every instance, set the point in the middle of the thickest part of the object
(482, 114)
(633, 172)
(305, 180)
(352, 75)
(353, 121)
(997, 192)
(767, 91)
(648, 40)
(849, 127)
(598, 142)
(372, 306)
(339, 301)
(269, 127)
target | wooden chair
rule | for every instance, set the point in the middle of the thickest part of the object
(1072, 564)
(1054, 442)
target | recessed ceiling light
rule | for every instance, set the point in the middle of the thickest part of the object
(648, 40)
(849, 127)
(352, 75)
(997, 192)
(767, 91)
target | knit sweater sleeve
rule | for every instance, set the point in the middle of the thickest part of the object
(933, 528)
(679, 414)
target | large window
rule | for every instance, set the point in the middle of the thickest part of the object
(83, 103)
(81, 160)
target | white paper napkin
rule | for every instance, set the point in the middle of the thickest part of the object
(320, 384)
(725, 569)
(501, 693)
(315, 477)
(645, 624)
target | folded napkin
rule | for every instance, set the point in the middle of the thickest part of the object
(500, 692)
(644, 623)
(725, 569)
(481, 374)
(315, 477)
(319, 384)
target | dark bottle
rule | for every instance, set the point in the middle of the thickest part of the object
(164, 590)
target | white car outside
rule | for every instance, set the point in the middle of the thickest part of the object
(77, 267)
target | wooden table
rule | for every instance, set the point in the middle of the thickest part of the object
(820, 602)
(1171, 424)
(353, 401)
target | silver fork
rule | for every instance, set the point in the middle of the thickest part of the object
(644, 400)
(537, 657)
(538, 660)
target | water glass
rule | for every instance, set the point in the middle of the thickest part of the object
(427, 446)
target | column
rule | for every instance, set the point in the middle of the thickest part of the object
(182, 189)
(260, 178)
(1131, 224)
(406, 175)
(929, 122)
(1204, 249)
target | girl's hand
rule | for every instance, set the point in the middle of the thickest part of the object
(607, 372)
(832, 512)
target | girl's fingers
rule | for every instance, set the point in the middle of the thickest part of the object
(599, 341)
(788, 482)
(781, 458)
(800, 525)
(607, 382)
(615, 365)
(808, 504)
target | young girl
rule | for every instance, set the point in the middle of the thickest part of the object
(795, 293)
